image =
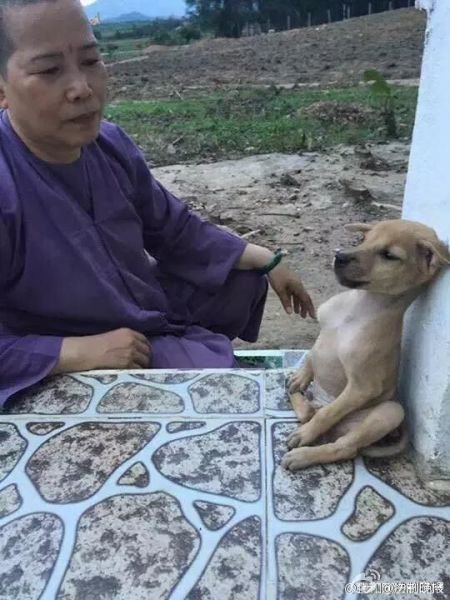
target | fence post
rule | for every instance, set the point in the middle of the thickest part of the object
(329, 15)
(344, 12)
(288, 22)
(369, 8)
(309, 19)
(349, 11)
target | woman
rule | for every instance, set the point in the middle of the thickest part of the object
(80, 213)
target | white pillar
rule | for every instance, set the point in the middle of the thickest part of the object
(425, 377)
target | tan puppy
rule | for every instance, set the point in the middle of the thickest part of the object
(345, 394)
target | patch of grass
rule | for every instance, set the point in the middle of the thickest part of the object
(113, 50)
(234, 123)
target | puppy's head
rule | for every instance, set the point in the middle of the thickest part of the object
(395, 256)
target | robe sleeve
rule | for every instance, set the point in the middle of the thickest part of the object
(24, 359)
(183, 244)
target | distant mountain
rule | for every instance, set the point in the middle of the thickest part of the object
(131, 17)
(112, 9)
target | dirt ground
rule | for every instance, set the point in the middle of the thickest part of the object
(300, 203)
(391, 42)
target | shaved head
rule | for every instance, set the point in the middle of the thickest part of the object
(7, 44)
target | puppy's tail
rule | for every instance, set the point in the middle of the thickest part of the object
(389, 449)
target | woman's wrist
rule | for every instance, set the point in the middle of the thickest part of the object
(274, 262)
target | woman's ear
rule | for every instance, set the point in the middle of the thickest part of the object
(3, 100)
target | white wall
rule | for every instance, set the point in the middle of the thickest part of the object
(425, 381)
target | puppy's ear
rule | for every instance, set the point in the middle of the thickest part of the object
(435, 255)
(361, 227)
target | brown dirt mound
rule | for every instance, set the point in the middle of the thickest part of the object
(391, 42)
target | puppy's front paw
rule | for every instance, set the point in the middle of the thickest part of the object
(300, 437)
(303, 436)
(297, 459)
(295, 438)
(298, 381)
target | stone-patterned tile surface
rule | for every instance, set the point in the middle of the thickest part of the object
(59, 395)
(235, 569)
(227, 393)
(185, 393)
(298, 556)
(214, 516)
(315, 494)
(418, 545)
(29, 547)
(401, 475)
(167, 485)
(372, 510)
(176, 426)
(277, 399)
(10, 500)
(124, 545)
(43, 428)
(225, 461)
(133, 509)
(75, 463)
(293, 358)
(12, 447)
(137, 475)
(137, 397)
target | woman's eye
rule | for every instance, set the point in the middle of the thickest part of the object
(50, 71)
(91, 62)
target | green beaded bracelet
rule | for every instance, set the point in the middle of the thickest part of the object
(277, 258)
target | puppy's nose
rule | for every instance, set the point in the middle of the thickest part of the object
(342, 258)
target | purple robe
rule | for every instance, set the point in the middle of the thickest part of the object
(73, 261)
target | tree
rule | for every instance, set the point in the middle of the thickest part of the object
(228, 17)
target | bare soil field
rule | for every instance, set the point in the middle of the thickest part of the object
(391, 42)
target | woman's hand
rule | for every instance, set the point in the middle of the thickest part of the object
(287, 285)
(119, 349)
(289, 288)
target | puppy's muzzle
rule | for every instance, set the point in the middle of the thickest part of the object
(342, 259)
(348, 270)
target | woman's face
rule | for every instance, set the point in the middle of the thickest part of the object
(55, 82)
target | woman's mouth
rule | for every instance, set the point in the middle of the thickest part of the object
(85, 119)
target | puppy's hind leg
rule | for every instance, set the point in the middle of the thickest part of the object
(381, 420)
(302, 407)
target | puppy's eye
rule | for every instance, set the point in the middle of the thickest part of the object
(388, 255)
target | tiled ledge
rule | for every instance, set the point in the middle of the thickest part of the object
(154, 485)
(184, 393)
